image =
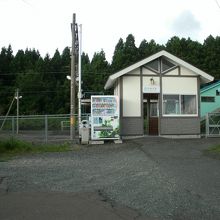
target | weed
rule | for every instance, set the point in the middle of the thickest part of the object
(12, 147)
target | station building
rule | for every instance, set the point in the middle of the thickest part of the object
(159, 95)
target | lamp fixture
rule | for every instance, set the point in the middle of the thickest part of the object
(152, 81)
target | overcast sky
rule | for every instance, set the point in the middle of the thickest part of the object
(45, 24)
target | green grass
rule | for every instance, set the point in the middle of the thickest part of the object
(13, 147)
(215, 149)
(213, 152)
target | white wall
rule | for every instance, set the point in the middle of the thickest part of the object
(186, 72)
(174, 72)
(117, 88)
(147, 81)
(146, 71)
(131, 96)
(179, 85)
(134, 72)
(155, 87)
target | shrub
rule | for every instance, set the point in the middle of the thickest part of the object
(14, 145)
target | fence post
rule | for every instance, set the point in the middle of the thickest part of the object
(46, 128)
(13, 125)
(207, 124)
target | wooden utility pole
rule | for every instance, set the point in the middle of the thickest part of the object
(73, 84)
(79, 76)
(17, 97)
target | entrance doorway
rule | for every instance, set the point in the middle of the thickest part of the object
(151, 112)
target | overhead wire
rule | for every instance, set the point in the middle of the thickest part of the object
(217, 3)
(35, 73)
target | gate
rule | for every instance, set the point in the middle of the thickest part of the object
(212, 124)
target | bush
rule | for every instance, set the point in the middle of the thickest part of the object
(14, 145)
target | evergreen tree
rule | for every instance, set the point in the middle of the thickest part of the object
(45, 89)
(118, 57)
(130, 51)
(87, 76)
(7, 78)
(55, 66)
(146, 49)
(100, 71)
(211, 49)
(18, 63)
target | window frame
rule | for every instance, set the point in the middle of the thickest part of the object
(213, 97)
(170, 68)
(160, 61)
(180, 107)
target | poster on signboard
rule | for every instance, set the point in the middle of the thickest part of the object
(104, 117)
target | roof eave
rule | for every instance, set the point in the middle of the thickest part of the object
(206, 88)
(109, 83)
(206, 79)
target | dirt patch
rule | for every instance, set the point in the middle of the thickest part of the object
(213, 155)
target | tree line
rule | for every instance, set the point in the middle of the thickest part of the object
(42, 80)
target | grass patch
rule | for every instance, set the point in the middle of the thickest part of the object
(13, 147)
(213, 152)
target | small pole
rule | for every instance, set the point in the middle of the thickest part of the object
(207, 124)
(17, 97)
(13, 125)
(46, 128)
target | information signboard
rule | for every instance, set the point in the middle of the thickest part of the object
(151, 89)
(104, 117)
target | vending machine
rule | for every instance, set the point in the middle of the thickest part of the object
(105, 117)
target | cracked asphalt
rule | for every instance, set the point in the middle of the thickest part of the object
(158, 178)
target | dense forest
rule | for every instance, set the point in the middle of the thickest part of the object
(42, 80)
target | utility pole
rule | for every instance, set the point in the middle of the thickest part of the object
(80, 76)
(17, 97)
(73, 77)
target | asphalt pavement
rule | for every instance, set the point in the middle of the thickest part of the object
(146, 178)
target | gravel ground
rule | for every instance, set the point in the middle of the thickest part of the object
(161, 178)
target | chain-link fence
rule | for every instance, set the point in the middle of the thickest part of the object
(39, 128)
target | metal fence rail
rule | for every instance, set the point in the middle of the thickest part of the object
(39, 128)
(213, 125)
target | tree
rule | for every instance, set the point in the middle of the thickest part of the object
(118, 57)
(130, 51)
(18, 63)
(7, 78)
(45, 89)
(56, 66)
(87, 76)
(6, 57)
(211, 47)
(31, 58)
(186, 49)
(100, 71)
(146, 49)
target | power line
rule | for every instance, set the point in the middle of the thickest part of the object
(40, 93)
(217, 3)
(30, 92)
(36, 73)
(27, 3)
